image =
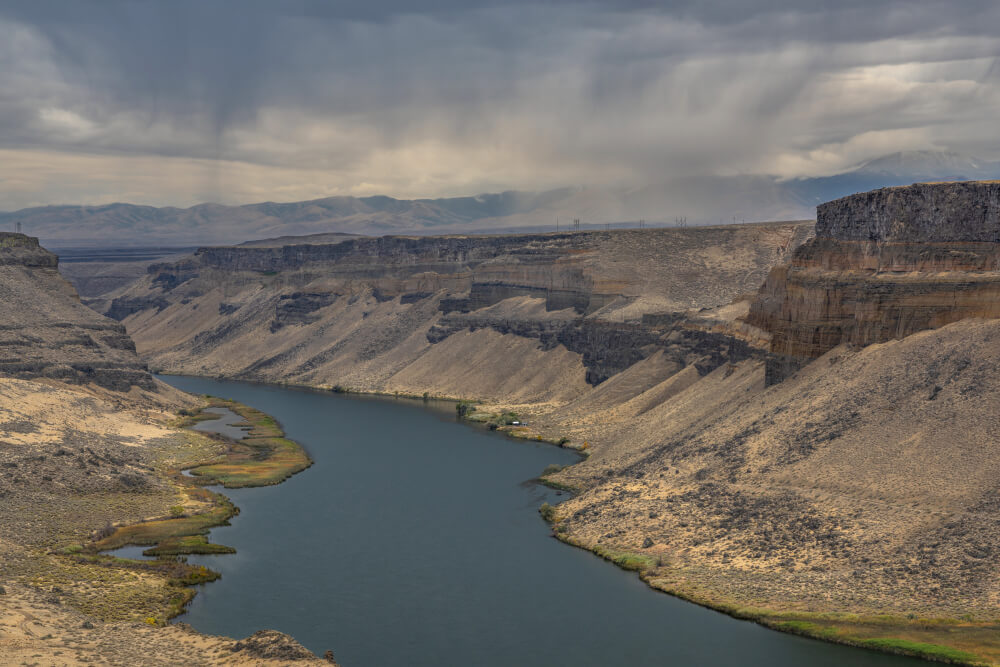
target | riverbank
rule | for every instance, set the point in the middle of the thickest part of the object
(263, 457)
(968, 641)
(76, 465)
(933, 639)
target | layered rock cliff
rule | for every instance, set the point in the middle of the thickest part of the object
(369, 313)
(47, 333)
(883, 265)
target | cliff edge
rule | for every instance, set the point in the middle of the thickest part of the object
(883, 265)
(47, 333)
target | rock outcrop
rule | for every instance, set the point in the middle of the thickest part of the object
(919, 213)
(883, 265)
(47, 333)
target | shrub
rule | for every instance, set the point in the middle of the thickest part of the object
(105, 532)
(464, 408)
(548, 512)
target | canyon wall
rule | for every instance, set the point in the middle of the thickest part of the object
(884, 264)
(47, 333)
(358, 312)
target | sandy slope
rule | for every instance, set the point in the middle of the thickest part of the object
(71, 461)
(870, 481)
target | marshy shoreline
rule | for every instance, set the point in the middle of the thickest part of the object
(263, 457)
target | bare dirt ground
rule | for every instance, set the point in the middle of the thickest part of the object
(72, 461)
(36, 631)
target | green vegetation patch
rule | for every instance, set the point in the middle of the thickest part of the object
(158, 530)
(126, 589)
(191, 544)
(553, 484)
(921, 650)
(806, 629)
(262, 458)
(626, 559)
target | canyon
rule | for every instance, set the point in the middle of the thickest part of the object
(788, 423)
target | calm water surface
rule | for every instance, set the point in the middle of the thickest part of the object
(415, 540)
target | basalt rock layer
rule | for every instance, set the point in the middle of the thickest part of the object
(919, 213)
(366, 313)
(883, 265)
(46, 332)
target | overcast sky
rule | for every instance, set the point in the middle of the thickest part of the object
(177, 102)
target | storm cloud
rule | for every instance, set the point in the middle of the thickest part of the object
(187, 101)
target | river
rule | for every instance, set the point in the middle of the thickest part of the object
(415, 540)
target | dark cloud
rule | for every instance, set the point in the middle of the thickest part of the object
(393, 93)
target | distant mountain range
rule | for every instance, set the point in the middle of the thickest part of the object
(698, 200)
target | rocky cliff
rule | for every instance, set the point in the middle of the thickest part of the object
(366, 313)
(883, 265)
(47, 333)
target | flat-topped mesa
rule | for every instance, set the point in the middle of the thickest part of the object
(22, 250)
(884, 264)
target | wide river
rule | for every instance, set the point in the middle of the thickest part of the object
(415, 540)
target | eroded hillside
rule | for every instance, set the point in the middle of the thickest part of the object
(529, 319)
(86, 443)
(47, 333)
(851, 498)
